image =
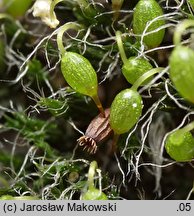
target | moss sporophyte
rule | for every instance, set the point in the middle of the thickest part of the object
(133, 67)
(91, 192)
(181, 63)
(116, 6)
(77, 70)
(147, 23)
(98, 130)
(180, 144)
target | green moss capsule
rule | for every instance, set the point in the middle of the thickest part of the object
(94, 194)
(77, 70)
(146, 11)
(125, 111)
(180, 146)
(134, 68)
(79, 73)
(182, 71)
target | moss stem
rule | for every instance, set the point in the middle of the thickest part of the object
(187, 128)
(120, 46)
(114, 142)
(52, 7)
(145, 76)
(116, 6)
(181, 27)
(91, 173)
(62, 29)
(98, 104)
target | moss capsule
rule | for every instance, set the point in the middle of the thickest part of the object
(98, 130)
(182, 71)
(81, 76)
(180, 146)
(134, 68)
(79, 73)
(125, 111)
(94, 194)
(146, 11)
(77, 70)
